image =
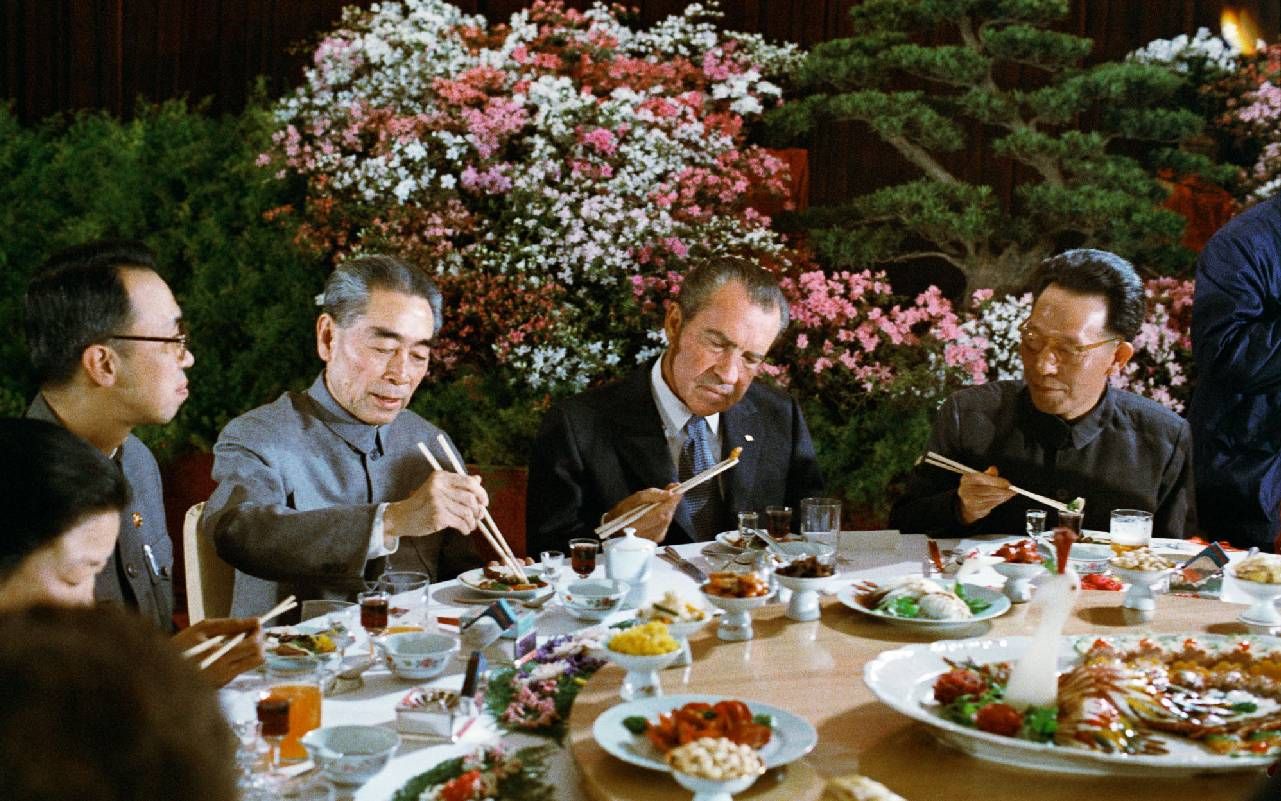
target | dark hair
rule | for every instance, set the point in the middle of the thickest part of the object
(76, 299)
(1097, 272)
(49, 480)
(100, 707)
(706, 277)
(348, 288)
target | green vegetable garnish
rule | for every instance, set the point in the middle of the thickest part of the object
(1040, 723)
(709, 714)
(1264, 734)
(902, 606)
(1076, 505)
(636, 724)
(1245, 706)
(976, 605)
(764, 720)
(666, 611)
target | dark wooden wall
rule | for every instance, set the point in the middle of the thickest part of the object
(60, 55)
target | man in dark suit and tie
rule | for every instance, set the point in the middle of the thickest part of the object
(605, 452)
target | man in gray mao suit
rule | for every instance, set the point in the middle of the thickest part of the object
(321, 490)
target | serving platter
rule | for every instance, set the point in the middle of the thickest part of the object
(999, 605)
(903, 679)
(793, 737)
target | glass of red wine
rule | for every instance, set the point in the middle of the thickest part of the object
(375, 607)
(273, 720)
(582, 556)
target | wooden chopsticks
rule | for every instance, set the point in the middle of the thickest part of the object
(487, 525)
(619, 523)
(200, 647)
(937, 460)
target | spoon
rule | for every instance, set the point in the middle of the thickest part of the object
(774, 545)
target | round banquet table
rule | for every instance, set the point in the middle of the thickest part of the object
(812, 669)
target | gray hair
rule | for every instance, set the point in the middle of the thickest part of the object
(760, 284)
(348, 288)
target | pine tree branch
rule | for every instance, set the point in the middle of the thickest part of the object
(922, 159)
(951, 259)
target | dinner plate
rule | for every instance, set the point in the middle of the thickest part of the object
(999, 606)
(726, 540)
(793, 737)
(472, 579)
(903, 679)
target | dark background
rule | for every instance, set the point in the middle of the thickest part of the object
(62, 55)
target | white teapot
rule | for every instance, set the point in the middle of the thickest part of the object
(630, 558)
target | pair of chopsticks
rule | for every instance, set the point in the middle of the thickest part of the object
(608, 529)
(200, 647)
(487, 525)
(937, 460)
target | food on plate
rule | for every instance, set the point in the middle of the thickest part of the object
(500, 577)
(671, 608)
(715, 758)
(736, 585)
(1101, 581)
(1142, 559)
(647, 639)
(737, 540)
(919, 597)
(730, 719)
(1023, 552)
(857, 788)
(1127, 699)
(1264, 568)
(808, 566)
(291, 642)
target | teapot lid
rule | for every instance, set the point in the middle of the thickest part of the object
(630, 542)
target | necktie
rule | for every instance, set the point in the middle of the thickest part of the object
(703, 502)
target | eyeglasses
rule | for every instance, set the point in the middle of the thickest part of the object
(180, 340)
(1064, 352)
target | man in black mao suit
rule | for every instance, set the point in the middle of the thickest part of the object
(604, 452)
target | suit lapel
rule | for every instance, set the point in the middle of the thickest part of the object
(737, 425)
(642, 445)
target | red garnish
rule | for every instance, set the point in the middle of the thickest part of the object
(957, 682)
(463, 788)
(1000, 719)
(1100, 581)
(1063, 539)
(1023, 552)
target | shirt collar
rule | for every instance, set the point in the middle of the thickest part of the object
(358, 434)
(671, 409)
(1057, 432)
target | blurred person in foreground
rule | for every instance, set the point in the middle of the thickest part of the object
(1235, 411)
(601, 454)
(1062, 431)
(62, 500)
(319, 491)
(97, 708)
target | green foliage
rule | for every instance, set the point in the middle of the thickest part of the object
(1095, 187)
(525, 784)
(492, 421)
(186, 184)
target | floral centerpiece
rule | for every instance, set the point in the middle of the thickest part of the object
(535, 167)
(536, 697)
(490, 773)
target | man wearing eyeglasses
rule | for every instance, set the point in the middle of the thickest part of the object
(106, 340)
(1061, 432)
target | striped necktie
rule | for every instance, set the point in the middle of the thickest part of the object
(703, 502)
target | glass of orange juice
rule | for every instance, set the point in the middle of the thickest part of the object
(303, 692)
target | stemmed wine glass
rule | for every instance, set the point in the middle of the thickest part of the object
(375, 605)
(582, 556)
(273, 722)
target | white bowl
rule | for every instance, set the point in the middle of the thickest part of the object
(714, 789)
(642, 679)
(417, 654)
(351, 754)
(1018, 577)
(594, 599)
(736, 604)
(1263, 612)
(1140, 595)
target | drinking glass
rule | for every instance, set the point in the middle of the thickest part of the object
(553, 562)
(410, 599)
(273, 723)
(375, 606)
(748, 523)
(302, 695)
(1072, 521)
(778, 520)
(582, 556)
(821, 520)
(1034, 522)
(1131, 529)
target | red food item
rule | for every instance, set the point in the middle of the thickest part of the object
(1099, 581)
(1023, 552)
(730, 719)
(464, 788)
(1000, 719)
(957, 682)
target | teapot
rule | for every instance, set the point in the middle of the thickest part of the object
(629, 559)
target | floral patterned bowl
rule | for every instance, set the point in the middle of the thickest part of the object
(418, 655)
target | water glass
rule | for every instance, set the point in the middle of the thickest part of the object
(821, 520)
(410, 595)
(1131, 529)
(748, 523)
(1034, 522)
(553, 563)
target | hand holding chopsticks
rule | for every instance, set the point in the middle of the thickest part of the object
(221, 641)
(623, 521)
(940, 461)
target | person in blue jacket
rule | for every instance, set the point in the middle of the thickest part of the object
(1236, 401)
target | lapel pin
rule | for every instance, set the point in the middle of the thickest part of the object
(748, 438)
(137, 520)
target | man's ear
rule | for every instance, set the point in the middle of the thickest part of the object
(102, 364)
(672, 323)
(325, 326)
(1119, 359)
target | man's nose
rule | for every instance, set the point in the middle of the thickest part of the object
(1047, 362)
(727, 367)
(397, 367)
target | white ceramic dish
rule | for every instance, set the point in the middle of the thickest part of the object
(473, 578)
(792, 739)
(903, 679)
(999, 606)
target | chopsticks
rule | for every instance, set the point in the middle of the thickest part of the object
(487, 525)
(200, 647)
(608, 529)
(937, 460)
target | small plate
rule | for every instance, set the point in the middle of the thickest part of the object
(792, 739)
(727, 540)
(472, 579)
(999, 606)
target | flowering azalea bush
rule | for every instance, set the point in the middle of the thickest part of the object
(535, 167)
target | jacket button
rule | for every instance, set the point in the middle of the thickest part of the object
(131, 571)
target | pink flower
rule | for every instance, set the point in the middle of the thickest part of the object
(602, 140)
